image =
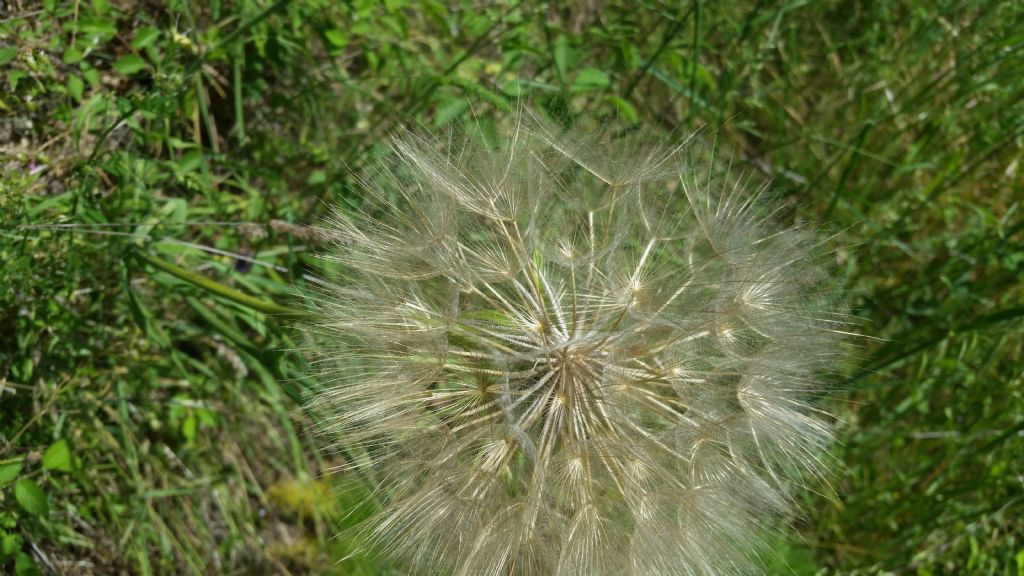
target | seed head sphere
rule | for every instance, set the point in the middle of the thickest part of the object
(561, 354)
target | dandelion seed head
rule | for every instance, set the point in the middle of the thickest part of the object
(558, 354)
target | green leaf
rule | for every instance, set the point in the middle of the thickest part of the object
(9, 544)
(626, 110)
(191, 160)
(336, 38)
(92, 76)
(24, 565)
(72, 55)
(23, 371)
(76, 87)
(174, 210)
(98, 27)
(144, 37)
(189, 428)
(58, 457)
(8, 472)
(590, 79)
(14, 77)
(7, 54)
(317, 177)
(130, 64)
(31, 497)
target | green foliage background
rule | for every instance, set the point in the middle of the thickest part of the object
(161, 159)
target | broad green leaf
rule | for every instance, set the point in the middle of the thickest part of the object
(174, 210)
(76, 87)
(31, 497)
(130, 64)
(98, 27)
(317, 177)
(189, 427)
(7, 54)
(191, 160)
(626, 110)
(9, 544)
(92, 76)
(144, 37)
(72, 55)
(591, 79)
(336, 38)
(14, 77)
(23, 370)
(8, 472)
(24, 565)
(58, 457)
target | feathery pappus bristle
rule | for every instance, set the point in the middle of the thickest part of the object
(559, 354)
